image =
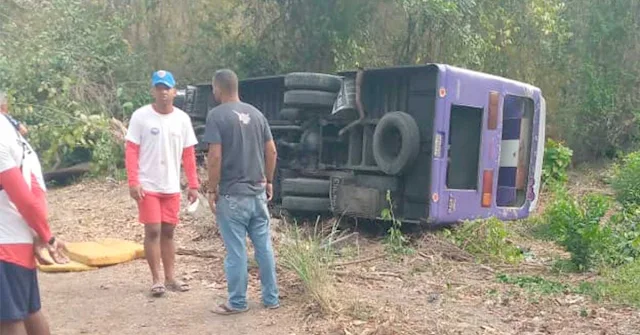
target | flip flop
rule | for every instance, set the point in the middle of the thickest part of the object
(276, 306)
(225, 309)
(178, 286)
(157, 290)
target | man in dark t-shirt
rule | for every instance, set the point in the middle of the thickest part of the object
(241, 165)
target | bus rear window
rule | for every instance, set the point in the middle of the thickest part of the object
(465, 131)
(515, 151)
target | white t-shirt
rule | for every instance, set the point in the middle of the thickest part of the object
(15, 151)
(161, 137)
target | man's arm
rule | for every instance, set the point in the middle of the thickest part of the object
(29, 206)
(189, 163)
(133, 139)
(270, 157)
(189, 154)
(270, 152)
(132, 155)
(214, 156)
(214, 167)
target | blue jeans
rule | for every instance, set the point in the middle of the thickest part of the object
(238, 216)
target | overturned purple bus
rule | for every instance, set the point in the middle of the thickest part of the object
(449, 144)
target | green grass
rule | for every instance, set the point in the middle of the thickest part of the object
(620, 285)
(534, 284)
(617, 286)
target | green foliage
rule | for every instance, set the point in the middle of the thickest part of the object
(626, 180)
(599, 108)
(580, 226)
(534, 284)
(575, 225)
(65, 70)
(396, 242)
(489, 240)
(64, 58)
(557, 159)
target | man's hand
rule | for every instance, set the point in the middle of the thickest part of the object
(56, 250)
(192, 195)
(213, 198)
(269, 190)
(39, 248)
(136, 192)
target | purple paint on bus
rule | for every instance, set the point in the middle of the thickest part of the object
(470, 88)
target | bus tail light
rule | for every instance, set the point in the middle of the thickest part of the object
(487, 188)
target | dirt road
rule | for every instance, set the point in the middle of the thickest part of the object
(425, 293)
(115, 300)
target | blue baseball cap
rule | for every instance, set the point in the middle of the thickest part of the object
(163, 77)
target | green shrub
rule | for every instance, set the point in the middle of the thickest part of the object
(579, 225)
(557, 158)
(575, 225)
(626, 180)
(625, 225)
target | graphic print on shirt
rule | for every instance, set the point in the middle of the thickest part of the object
(243, 117)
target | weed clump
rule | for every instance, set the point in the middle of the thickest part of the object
(489, 240)
(309, 255)
(396, 242)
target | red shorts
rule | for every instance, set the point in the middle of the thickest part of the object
(159, 208)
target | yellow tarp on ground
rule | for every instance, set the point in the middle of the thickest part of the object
(104, 252)
(114, 242)
(69, 267)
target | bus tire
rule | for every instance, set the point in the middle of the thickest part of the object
(309, 99)
(306, 204)
(290, 114)
(312, 81)
(199, 130)
(306, 186)
(392, 160)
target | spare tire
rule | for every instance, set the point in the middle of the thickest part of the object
(396, 142)
(306, 186)
(290, 114)
(306, 204)
(199, 130)
(280, 175)
(312, 81)
(309, 99)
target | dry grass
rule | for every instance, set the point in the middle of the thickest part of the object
(309, 255)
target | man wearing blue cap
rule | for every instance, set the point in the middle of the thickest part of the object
(159, 137)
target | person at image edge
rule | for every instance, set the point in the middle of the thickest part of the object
(24, 232)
